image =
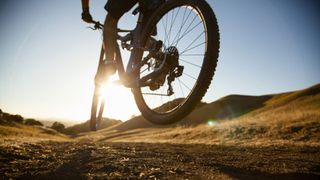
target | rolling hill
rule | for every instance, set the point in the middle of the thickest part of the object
(231, 107)
(285, 117)
(85, 127)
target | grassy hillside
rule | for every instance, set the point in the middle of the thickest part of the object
(19, 131)
(234, 106)
(228, 107)
(85, 127)
(16, 127)
(141, 122)
(292, 117)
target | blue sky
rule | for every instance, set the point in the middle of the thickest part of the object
(48, 57)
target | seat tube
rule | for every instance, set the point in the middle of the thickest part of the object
(136, 42)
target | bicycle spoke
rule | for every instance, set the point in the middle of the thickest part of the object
(190, 76)
(186, 33)
(190, 63)
(183, 22)
(173, 23)
(185, 85)
(165, 31)
(181, 87)
(180, 26)
(191, 54)
(195, 39)
(193, 47)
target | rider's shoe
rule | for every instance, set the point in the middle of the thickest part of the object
(107, 69)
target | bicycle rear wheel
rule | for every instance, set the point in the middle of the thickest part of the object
(189, 33)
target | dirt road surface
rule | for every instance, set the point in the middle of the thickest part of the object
(100, 160)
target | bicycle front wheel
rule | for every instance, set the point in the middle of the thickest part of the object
(190, 39)
(96, 109)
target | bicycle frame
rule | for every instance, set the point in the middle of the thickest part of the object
(173, 58)
(128, 76)
(123, 73)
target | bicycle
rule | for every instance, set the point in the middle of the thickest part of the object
(172, 62)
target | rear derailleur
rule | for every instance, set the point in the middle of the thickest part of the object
(169, 60)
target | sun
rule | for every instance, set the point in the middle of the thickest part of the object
(119, 102)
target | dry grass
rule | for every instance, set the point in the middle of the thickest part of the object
(294, 122)
(288, 118)
(19, 132)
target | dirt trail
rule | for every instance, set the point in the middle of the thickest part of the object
(86, 160)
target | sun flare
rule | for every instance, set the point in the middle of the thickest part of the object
(119, 103)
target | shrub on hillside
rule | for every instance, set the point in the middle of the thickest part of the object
(1, 115)
(58, 126)
(12, 118)
(32, 122)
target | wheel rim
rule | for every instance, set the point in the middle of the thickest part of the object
(184, 29)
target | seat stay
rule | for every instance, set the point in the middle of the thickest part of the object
(129, 74)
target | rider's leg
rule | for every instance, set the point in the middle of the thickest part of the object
(115, 8)
(109, 42)
(109, 36)
(147, 7)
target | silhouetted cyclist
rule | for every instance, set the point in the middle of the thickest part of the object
(115, 9)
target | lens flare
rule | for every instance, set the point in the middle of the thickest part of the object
(212, 123)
